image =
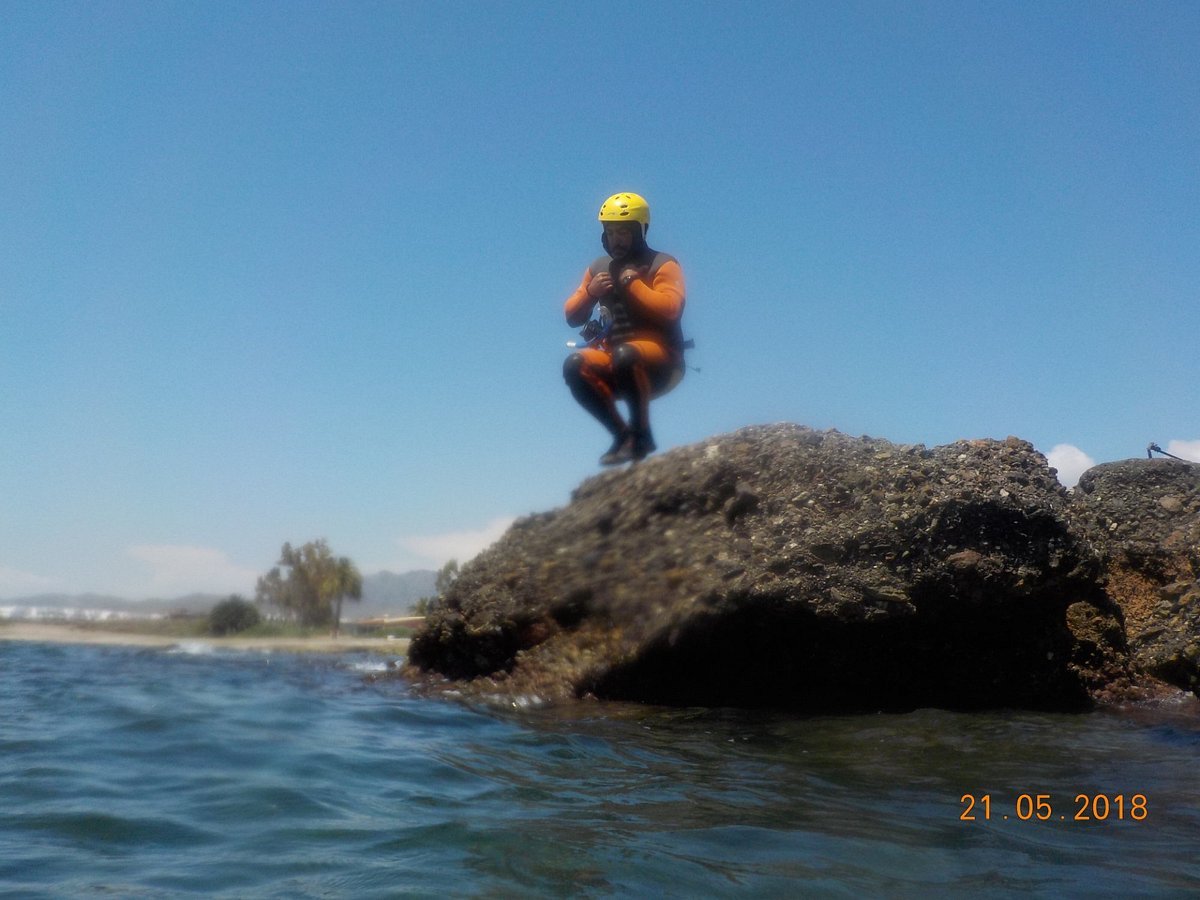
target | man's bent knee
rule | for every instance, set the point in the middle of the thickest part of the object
(573, 368)
(625, 358)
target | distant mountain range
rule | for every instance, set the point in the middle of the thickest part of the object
(384, 593)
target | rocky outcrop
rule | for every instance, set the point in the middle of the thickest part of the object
(1142, 518)
(785, 567)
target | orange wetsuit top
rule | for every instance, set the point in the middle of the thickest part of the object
(649, 308)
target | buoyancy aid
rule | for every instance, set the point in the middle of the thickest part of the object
(629, 319)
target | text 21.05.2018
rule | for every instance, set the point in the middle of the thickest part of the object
(1041, 808)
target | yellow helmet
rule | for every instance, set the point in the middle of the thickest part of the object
(624, 207)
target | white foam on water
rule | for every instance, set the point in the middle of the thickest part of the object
(374, 665)
(193, 648)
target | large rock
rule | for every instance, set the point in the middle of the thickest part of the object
(1143, 519)
(781, 566)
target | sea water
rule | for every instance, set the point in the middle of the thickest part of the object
(144, 773)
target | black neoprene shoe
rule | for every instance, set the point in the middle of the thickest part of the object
(621, 451)
(642, 445)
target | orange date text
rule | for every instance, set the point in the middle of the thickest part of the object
(1035, 807)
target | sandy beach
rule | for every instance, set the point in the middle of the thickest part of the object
(67, 633)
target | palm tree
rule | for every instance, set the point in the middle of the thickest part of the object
(345, 581)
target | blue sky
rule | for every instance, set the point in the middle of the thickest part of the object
(273, 271)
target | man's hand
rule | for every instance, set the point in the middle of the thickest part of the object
(628, 274)
(600, 285)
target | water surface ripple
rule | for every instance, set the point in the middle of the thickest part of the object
(149, 773)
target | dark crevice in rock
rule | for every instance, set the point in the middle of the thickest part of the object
(786, 659)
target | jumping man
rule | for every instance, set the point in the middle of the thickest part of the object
(642, 355)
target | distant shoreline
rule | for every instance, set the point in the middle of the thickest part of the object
(67, 633)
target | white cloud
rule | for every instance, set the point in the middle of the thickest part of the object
(16, 582)
(176, 569)
(1070, 461)
(1189, 450)
(434, 550)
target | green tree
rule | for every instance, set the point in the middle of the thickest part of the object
(233, 614)
(344, 582)
(446, 576)
(309, 583)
